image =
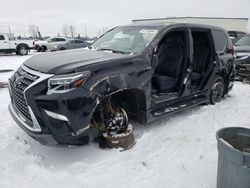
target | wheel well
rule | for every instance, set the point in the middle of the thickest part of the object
(43, 46)
(223, 74)
(22, 44)
(132, 100)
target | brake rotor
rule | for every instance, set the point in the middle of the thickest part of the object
(124, 140)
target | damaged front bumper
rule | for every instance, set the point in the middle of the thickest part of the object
(50, 119)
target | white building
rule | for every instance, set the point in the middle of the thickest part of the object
(238, 24)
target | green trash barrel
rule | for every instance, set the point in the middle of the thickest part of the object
(234, 157)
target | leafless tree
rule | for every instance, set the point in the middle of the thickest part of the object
(65, 30)
(72, 30)
(33, 29)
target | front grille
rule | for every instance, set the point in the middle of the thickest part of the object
(18, 83)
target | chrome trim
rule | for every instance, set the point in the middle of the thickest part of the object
(42, 76)
(18, 116)
(56, 116)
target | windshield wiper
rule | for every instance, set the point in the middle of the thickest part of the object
(112, 50)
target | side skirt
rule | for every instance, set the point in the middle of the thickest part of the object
(169, 109)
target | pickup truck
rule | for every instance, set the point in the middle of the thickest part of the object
(20, 47)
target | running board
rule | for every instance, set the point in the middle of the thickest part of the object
(176, 107)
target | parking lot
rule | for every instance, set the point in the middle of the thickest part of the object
(179, 151)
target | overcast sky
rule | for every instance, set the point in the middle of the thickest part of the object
(51, 15)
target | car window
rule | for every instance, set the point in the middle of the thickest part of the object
(232, 34)
(244, 41)
(2, 37)
(126, 39)
(72, 42)
(240, 35)
(220, 40)
(60, 39)
(53, 40)
(79, 41)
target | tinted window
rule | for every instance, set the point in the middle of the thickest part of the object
(220, 40)
(79, 41)
(72, 42)
(53, 40)
(1, 37)
(60, 39)
(232, 34)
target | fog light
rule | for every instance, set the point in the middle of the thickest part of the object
(56, 116)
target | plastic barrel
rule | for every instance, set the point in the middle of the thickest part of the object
(234, 158)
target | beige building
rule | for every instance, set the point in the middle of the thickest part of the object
(238, 24)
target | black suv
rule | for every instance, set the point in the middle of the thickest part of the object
(133, 72)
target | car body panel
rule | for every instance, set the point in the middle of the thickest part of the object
(113, 73)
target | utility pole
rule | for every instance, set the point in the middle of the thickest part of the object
(9, 31)
(86, 32)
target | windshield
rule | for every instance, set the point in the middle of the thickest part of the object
(127, 39)
(244, 41)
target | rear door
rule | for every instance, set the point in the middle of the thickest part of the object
(224, 54)
(4, 42)
(202, 60)
(79, 44)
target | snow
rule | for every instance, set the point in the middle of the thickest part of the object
(177, 152)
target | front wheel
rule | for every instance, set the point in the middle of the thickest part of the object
(217, 90)
(112, 121)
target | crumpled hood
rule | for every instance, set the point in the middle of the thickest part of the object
(68, 61)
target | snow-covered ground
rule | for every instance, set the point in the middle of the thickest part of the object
(175, 152)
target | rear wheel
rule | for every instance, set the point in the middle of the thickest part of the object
(43, 49)
(22, 50)
(217, 90)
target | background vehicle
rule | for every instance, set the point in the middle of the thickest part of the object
(20, 47)
(72, 44)
(134, 72)
(236, 35)
(50, 44)
(242, 49)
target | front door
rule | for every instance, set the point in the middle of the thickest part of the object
(172, 57)
(170, 72)
(4, 44)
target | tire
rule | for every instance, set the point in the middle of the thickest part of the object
(217, 90)
(62, 49)
(22, 50)
(43, 49)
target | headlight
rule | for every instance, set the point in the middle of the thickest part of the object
(67, 82)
